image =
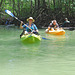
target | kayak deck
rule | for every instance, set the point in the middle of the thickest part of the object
(56, 32)
(30, 38)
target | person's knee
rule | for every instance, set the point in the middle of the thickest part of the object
(25, 32)
(48, 28)
(52, 29)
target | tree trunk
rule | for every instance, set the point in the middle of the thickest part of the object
(0, 6)
(69, 7)
(44, 3)
(73, 13)
(18, 8)
(1, 3)
(35, 4)
(66, 8)
(49, 3)
(54, 4)
(13, 5)
(31, 6)
(38, 4)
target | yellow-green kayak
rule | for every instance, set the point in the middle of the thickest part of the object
(30, 38)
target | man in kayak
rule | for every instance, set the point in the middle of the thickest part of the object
(66, 23)
(53, 25)
(32, 28)
(7, 22)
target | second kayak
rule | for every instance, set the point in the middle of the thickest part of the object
(55, 32)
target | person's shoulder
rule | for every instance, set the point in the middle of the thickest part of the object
(34, 24)
(23, 26)
(26, 23)
(51, 23)
(57, 24)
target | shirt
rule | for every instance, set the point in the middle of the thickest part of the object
(51, 25)
(33, 27)
(65, 23)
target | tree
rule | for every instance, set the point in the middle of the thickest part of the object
(42, 10)
(1, 3)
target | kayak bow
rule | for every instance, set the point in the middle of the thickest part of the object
(30, 38)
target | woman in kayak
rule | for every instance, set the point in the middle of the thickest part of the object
(32, 28)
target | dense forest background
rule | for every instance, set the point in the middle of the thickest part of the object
(43, 11)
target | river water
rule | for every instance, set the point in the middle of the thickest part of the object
(51, 57)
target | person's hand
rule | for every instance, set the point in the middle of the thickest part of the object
(32, 31)
(21, 22)
(25, 32)
(48, 28)
(54, 26)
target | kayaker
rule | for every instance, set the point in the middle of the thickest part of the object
(53, 25)
(66, 23)
(29, 24)
(7, 22)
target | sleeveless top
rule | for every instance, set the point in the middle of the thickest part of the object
(33, 27)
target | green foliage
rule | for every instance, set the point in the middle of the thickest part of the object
(26, 8)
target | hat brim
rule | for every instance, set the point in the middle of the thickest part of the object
(31, 19)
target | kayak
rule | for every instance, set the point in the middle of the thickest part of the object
(30, 38)
(56, 32)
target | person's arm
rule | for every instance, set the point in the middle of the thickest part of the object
(50, 25)
(6, 23)
(57, 26)
(36, 28)
(21, 27)
(63, 24)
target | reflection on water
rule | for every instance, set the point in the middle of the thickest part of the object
(55, 36)
(58, 40)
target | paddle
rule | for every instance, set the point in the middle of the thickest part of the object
(45, 38)
(72, 28)
(11, 14)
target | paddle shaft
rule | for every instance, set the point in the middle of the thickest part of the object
(24, 24)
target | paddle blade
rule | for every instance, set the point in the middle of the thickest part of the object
(9, 12)
(45, 38)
